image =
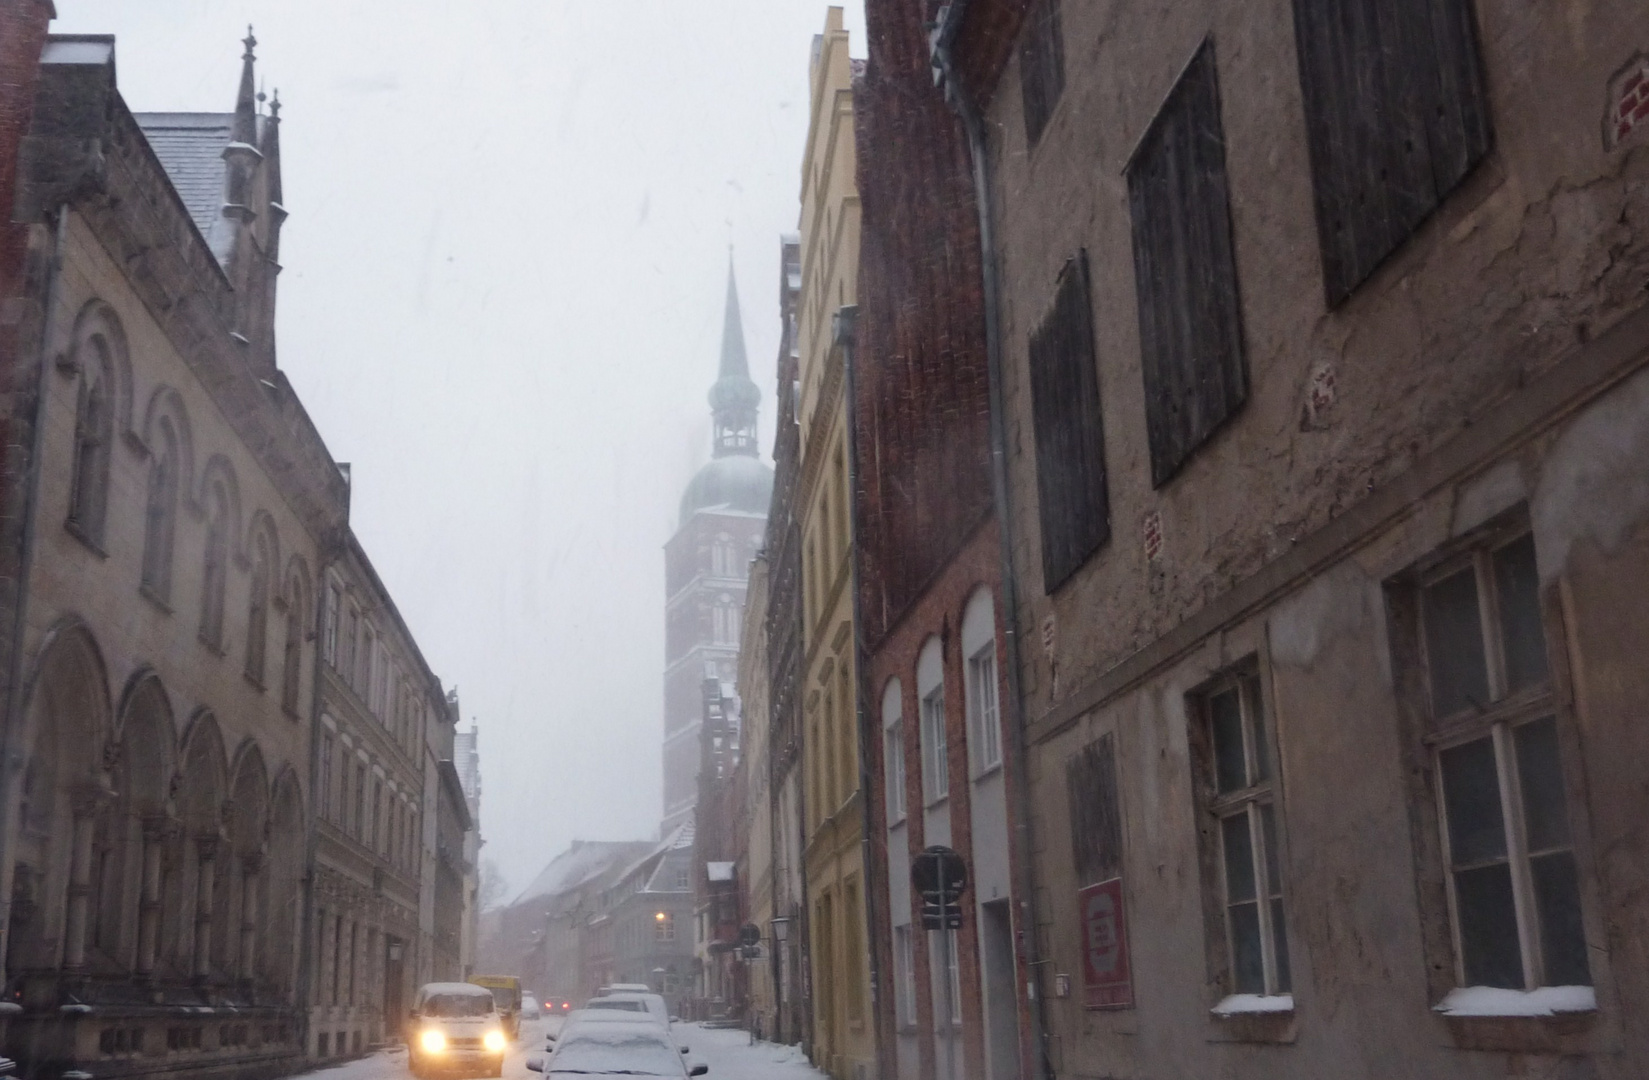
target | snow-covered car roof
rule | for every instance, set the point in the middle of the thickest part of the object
(453, 988)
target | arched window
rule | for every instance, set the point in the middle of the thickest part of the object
(292, 650)
(257, 613)
(216, 569)
(160, 516)
(93, 434)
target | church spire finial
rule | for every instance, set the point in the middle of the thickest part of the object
(734, 398)
(246, 108)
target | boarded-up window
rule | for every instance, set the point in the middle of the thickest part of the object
(1041, 66)
(1070, 442)
(1396, 117)
(1096, 815)
(1190, 323)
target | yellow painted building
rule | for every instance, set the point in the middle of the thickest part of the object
(843, 1035)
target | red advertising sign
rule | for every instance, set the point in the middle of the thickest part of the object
(1106, 980)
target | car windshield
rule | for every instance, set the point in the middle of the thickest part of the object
(616, 1053)
(449, 1006)
(608, 1003)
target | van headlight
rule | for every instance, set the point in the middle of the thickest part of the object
(433, 1041)
(494, 1041)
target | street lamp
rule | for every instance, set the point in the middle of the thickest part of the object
(780, 928)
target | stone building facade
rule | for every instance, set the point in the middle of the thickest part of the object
(451, 881)
(753, 809)
(174, 520)
(1323, 355)
(782, 616)
(843, 1037)
(172, 516)
(705, 561)
(380, 710)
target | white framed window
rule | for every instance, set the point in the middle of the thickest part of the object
(1512, 878)
(893, 767)
(1242, 801)
(935, 754)
(984, 727)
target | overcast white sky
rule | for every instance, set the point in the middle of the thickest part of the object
(501, 303)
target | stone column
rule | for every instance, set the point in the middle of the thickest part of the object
(85, 805)
(148, 905)
(251, 865)
(205, 891)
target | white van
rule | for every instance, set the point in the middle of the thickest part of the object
(456, 1031)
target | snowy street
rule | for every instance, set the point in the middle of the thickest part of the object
(726, 1051)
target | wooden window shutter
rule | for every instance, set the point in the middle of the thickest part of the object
(1096, 812)
(1041, 66)
(1072, 499)
(1190, 318)
(1396, 116)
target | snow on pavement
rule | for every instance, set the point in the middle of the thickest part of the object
(731, 1056)
(727, 1051)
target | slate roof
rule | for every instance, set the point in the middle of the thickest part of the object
(190, 149)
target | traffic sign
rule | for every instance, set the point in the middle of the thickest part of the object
(941, 876)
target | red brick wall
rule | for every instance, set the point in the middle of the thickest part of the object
(920, 380)
(924, 525)
(22, 33)
(938, 612)
(23, 25)
(986, 40)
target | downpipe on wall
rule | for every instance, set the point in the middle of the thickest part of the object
(947, 22)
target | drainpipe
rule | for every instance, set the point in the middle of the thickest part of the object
(31, 501)
(949, 21)
(844, 329)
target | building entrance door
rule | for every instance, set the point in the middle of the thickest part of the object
(1001, 1009)
(395, 1010)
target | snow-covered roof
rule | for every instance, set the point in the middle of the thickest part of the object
(582, 863)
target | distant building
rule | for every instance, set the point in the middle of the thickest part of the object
(640, 930)
(381, 713)
(843, 1037)
(782, 619)
(705, 564)
(466, 760)
(752, 804)
(545, 928)
(453, 880)
(718, 849)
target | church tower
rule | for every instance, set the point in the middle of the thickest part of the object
(707, 562)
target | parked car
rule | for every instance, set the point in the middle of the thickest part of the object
(621, 1048)
(639, 1001)
(587, 1016)
(456, 1030)
(529, 1007)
